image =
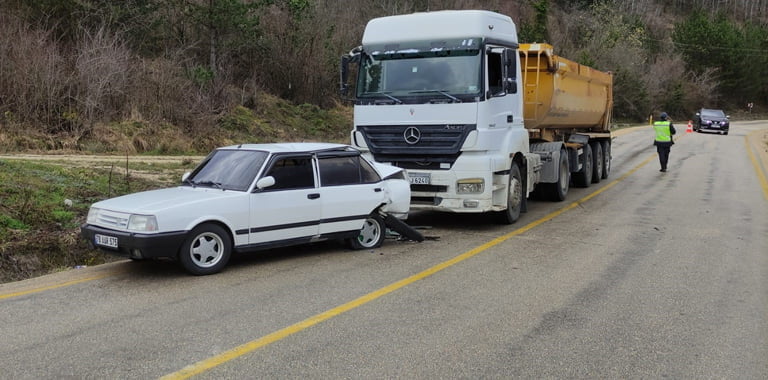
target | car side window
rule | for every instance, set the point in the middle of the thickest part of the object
(292, 173)
(337, 171)
(346, 170)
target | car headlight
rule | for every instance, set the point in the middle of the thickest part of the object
(93, 215)
(470, 186)
(142, 223)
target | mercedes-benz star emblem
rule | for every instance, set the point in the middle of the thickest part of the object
(412, 135)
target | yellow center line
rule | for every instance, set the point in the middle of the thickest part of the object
(214, 361)
(756, 165)
(56, 286)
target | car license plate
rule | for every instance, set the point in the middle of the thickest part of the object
(104, 240)
(419, 178)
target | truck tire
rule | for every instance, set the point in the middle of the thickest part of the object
(597, 161)
(403, 229)
(583, 178)
(514, 197)
(557, 191)
(606, 158)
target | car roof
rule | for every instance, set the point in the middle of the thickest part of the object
(294, 147)
(709, 110)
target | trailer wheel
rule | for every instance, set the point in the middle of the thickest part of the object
(557, 191)
(583, 178)
(597, 161)
(514, 197)
(606, 158)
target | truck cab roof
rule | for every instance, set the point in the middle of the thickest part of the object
(448, 24)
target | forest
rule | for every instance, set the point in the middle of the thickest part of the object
(176, 76)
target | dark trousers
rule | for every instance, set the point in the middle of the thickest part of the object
(663, 151)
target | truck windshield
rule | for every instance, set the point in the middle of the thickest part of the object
(425, 74)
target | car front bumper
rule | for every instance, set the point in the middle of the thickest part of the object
(136, 245)
(714, 127)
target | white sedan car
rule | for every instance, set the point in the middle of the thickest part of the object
(254, 196)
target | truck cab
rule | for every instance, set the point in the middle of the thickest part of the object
(441, 95)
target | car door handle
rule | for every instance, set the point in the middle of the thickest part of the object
(377, 189)
(313, 196)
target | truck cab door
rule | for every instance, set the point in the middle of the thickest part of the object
(500, 77)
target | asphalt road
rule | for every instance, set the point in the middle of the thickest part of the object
(644, 275)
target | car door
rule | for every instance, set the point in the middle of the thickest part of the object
(289, 209)
(351, 189)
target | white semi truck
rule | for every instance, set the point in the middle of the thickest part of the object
(478, 120)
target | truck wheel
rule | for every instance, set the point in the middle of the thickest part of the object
(514, 197)
(557, 191)
(606, 158)
(583, 178)
(371, 235)
(597, 161)
(402, 228)
(206, 250)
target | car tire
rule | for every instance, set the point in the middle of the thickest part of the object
(371, 235)
(402, 228)
(206, 250)
(515, 197)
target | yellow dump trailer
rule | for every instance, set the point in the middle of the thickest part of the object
(562, 94)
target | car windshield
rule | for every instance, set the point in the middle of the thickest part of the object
(228, 169)
(712, 113)
(391, 73)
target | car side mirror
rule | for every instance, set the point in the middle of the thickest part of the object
(265, 182)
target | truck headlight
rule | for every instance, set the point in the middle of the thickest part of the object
(470, 186)
(142, 223)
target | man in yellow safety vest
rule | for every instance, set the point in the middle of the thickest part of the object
(664, 131)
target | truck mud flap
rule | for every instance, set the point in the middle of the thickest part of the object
(403, 229)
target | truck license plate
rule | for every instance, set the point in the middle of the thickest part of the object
(419, 178)
(107, 241)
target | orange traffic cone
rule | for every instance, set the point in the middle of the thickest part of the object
(690, 127)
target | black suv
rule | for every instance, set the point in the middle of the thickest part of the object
(712, 120)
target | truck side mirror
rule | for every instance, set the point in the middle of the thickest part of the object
(510, 86)
(351, 57)
(344, 75)
(510, 71)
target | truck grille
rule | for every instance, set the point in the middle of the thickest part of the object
(416, 146)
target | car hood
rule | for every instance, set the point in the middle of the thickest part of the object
(714, 118)
(386, 170)
(155, 201)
